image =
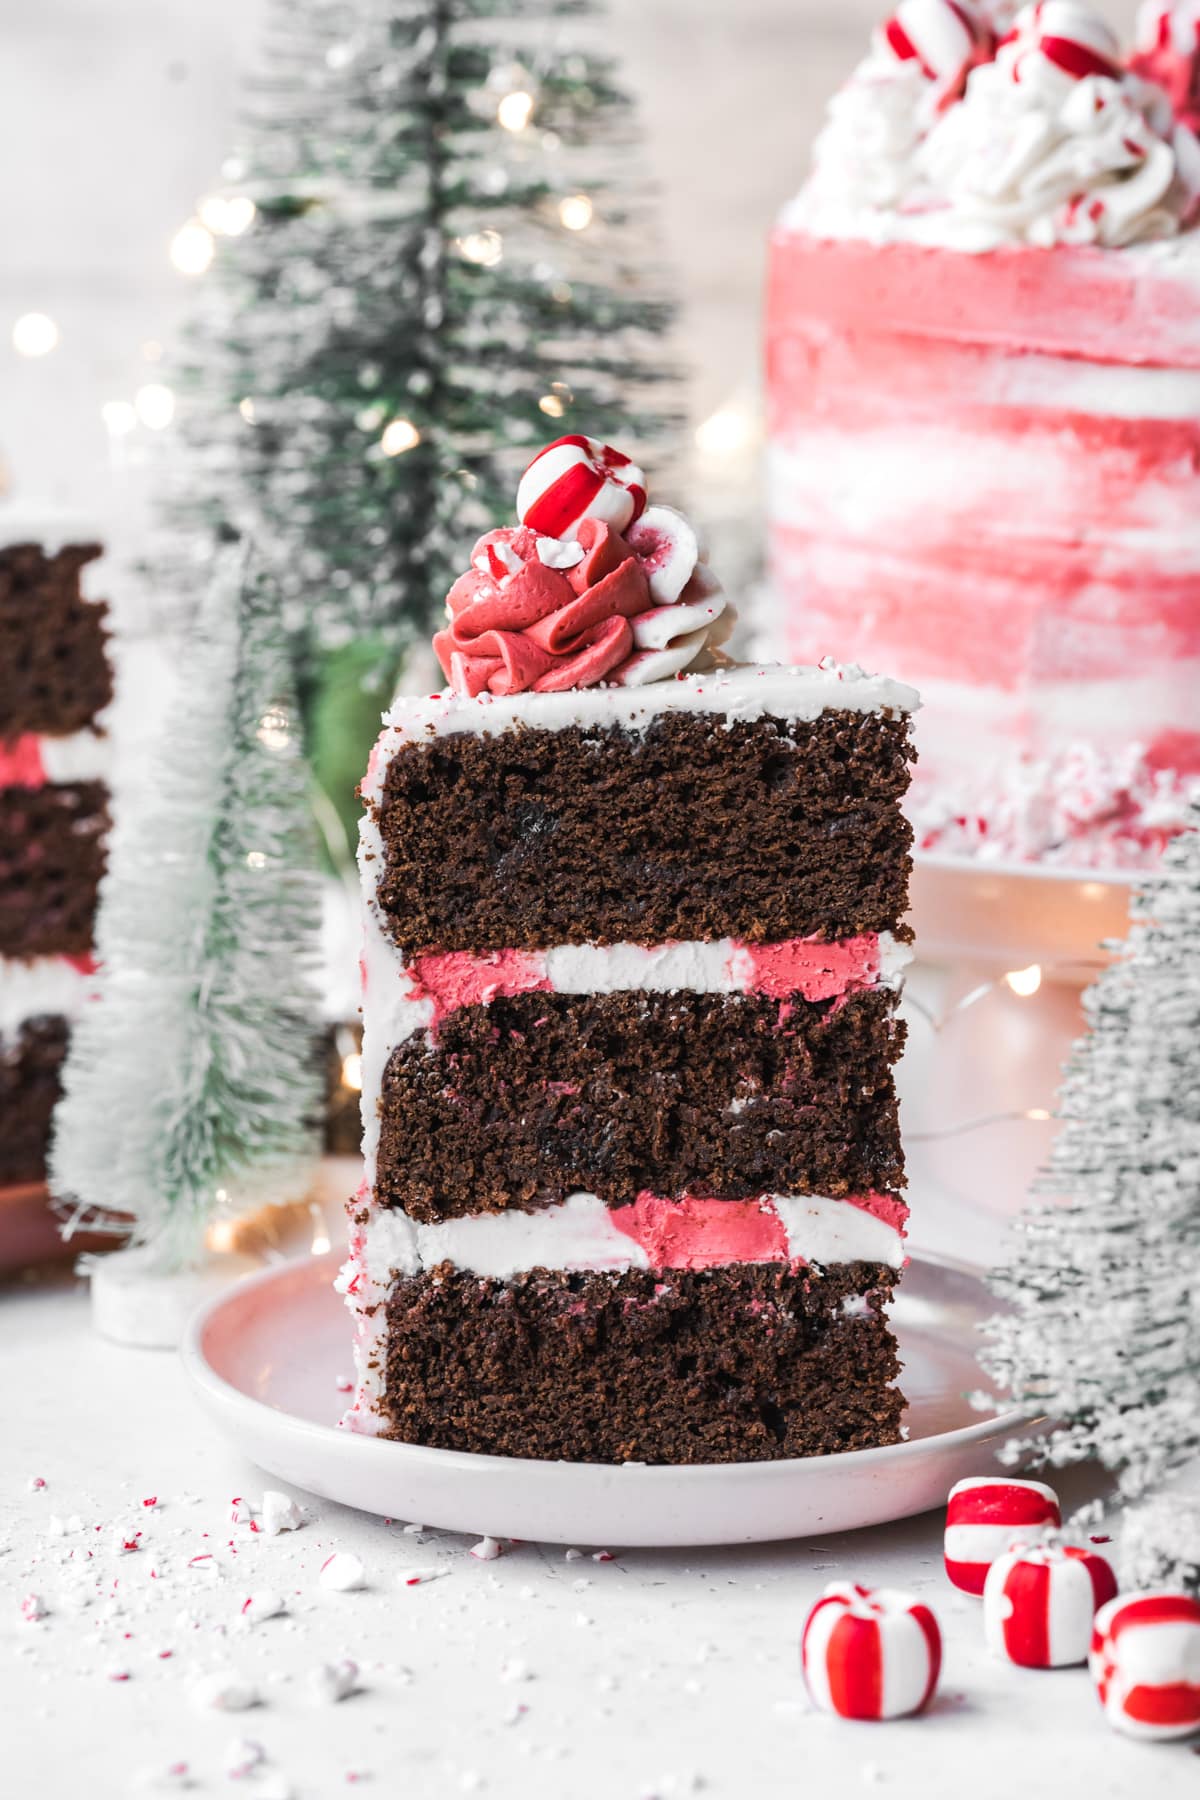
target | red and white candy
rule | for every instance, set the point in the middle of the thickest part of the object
(870, 1654)
(1074, 39)
(1039, 1603)
(944, 37)
(1145, 1661)
(578, 478)
(988, 1515)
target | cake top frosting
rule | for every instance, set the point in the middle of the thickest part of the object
(592, 586)
(971, 127)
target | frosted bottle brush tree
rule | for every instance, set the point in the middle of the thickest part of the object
(1104, 1337)
(450, 258)
(191, 1084)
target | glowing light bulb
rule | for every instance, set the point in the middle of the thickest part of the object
(552, 406)
(576, 212)
(483, 247)
(246, 408)
(240, 213)
(352, 1071)
(119, 418)
(273, 732)
(724, 431)
(34, 334)
(1037, 1112)
(255, 859)
(192, 248)
(155, 405)
(222, 1235)
(515, 111)
(400, 435)
(320, 1243)
(1025, 982)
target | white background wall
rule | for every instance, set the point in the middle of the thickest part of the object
(115, 115)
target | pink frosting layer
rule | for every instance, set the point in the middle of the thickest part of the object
(21, 762)
(702, 1234)
(805, 966)
(817, 971)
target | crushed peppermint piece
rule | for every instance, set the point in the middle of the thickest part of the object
(33, 1608)
(603, 1556)
(516, 1670)
(242, 1757)
(150, 1500)
(414, 1530)
(516, 1712)
(331, 1682)
(343, 1384)
(257, 1607)
(418, 1577)
(225, 1691)
(342, 1572)
(573, 1556)
(36, 1484)
(280, 1513)
(487, 1549)
(557, 554)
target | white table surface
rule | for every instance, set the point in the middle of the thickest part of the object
(655, 1674)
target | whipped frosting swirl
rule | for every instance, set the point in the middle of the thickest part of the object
(1054, 140)
(544, 614)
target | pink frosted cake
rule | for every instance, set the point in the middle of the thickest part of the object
(984, 414)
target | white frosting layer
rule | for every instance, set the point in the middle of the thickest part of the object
(738, 692)
(48, 984)
(579, 1235)
(53, 527)
(83, 756)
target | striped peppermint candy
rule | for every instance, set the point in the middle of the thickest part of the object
(1073, 38)
(578, 478)
(1145, 1661)
(870, 1654)
(987, 1515)
(1039, 1603)
(942, 36)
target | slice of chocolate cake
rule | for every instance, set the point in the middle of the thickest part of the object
(55, 685)
(633, 937)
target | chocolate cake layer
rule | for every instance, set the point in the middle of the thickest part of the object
(30, 1070)
(698, 827)
(741, 1364)
(534, 1097)
(54, 671)
(51, 861)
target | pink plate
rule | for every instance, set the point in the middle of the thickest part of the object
(266, 1354)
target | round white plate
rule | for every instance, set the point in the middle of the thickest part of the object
(1009, 915)
(265, 1358)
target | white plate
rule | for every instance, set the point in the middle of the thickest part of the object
(265, 1357)
(1008, 915)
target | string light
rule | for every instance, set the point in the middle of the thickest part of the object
(34, 334)
(576, 212)
(273, 729)
(552, 406)
(255, 859)
(1025, 982)
(515, 111)
(227, 217)
(155, 405)
(723, 432)
(246, 408)
(222, 1235)
(192, 248)
(119, 418)
(483, 247)
(401, 435)
(352, 1071)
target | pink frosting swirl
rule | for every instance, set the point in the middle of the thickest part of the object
(517, 623)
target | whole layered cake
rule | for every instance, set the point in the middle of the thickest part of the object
(984, 414)
(55, 686)
(633, 931)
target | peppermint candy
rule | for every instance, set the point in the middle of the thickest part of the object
(1145, 1661)
(988, 1515)
(577, 478)
(1073, 38)
(1039, 1603)
(944, 37)
(870, 1654)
